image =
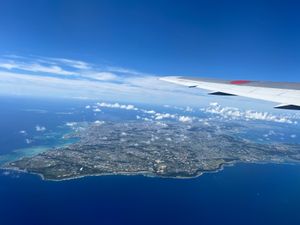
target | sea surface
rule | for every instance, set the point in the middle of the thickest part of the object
(240, 194)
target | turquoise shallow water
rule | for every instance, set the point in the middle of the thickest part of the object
(242, 194)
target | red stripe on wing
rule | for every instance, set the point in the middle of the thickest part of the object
(238, 82)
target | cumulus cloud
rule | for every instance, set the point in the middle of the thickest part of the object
(24, 132)
(180, 118)
(162, 125)
(185, 109)
(40, 128)
(117, 105)
(160, 116)
(237, 114)
(98, 122)
(185, 119)
(189, 109)
(148, 111)
(143, 118)
(71, 124)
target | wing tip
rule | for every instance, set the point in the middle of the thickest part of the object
(288, 106)
(220, 93)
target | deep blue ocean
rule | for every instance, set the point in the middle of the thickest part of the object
(241, 194)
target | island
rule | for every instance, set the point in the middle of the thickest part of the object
(151, 148)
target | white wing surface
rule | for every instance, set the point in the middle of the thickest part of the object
(285, 93)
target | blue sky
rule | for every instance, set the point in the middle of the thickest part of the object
(114, 49)
(232, 39)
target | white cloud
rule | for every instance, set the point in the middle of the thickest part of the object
(148, 111)
(185, 119)
(35, 76)
(8, 66)
(117, 105)
(102, 76)
(71, 124)
(160, 116)
(97, 110)
(189, 109)
(159, 124)
(214, 104)
(236, 114)
(72, 63)
(64, 113)
(146, 119)
(35, 67)
(98, 122)
(40, 128)
(153, 114)
(57, 66)
(23, 132)
(127, 88)
(181, 118)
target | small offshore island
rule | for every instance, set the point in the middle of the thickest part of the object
(168, 149)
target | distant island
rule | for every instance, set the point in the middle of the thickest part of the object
(164, 149)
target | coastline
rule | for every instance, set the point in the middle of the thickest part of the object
(145, 173)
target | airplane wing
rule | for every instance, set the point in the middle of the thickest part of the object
(284, 93)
